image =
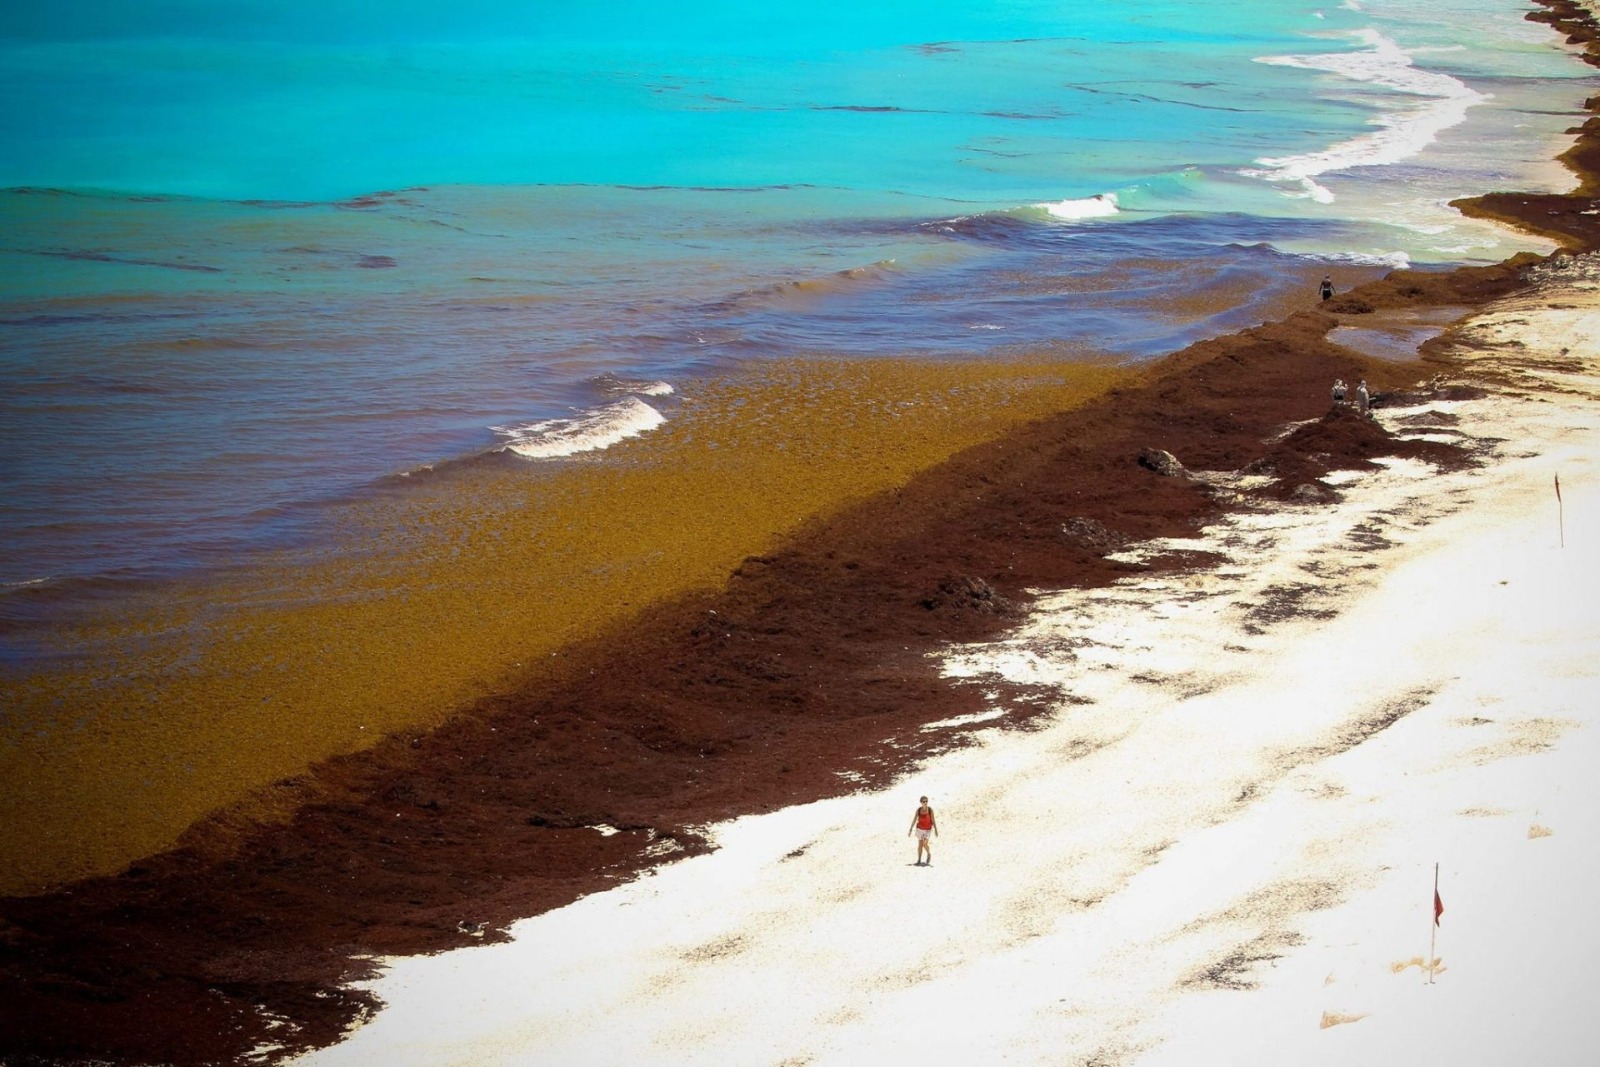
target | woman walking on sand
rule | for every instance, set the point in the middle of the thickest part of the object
(923, 825)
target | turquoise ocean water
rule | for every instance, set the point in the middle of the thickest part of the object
(260, 256)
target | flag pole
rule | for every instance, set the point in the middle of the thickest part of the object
(1561, 514)
(1433, 929)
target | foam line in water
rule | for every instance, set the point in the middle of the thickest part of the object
(1390, 260)
(1401, 133)
(588, 431)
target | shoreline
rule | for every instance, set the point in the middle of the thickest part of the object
(943, 559)
(460, 585)
(1400, 678)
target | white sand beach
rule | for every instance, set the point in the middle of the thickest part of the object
(1221, 847)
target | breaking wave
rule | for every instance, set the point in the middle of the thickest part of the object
(1099, 206)
(1400, 133)
(587, 431)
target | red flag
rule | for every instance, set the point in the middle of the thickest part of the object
(1438, 907)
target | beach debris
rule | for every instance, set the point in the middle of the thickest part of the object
(970, 594)
(663, 846)
(1264, 466)
(1162, 462)
(1537, 831)
(1331, 1018)
(471, 929)
(1091, 533)
(1236, 970)
(1313, 493)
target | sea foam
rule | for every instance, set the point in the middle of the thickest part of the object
(587, 431)
(1101, 205)
(1401, 133)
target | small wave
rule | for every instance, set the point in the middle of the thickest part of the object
(96, 256)
(200, 343)
(613, 385)
(1391, 260)
(27, 583)
(22, 600)
(840, 280)
(1400, 134)
(803, 292)
(1021, 225)
(1099, 206)
(585, 432)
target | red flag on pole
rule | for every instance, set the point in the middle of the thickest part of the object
(1433, 931)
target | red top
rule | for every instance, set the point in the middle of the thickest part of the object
(924, 818)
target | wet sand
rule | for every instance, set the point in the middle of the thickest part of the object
(803, 675)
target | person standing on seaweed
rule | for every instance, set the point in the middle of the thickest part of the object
(1363, 398)
(1327, 287)
(923, 825)
(1339, 389)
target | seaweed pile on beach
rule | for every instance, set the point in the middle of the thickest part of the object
(806, 676)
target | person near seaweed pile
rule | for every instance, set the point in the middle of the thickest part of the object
(1363, 398)
(1327, 287)
(923, 826)
(1339, 390)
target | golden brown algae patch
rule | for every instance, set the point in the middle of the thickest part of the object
(205, 693)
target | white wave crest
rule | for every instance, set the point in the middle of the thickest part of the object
(1401, 133)
(1392, 260)
(616, 386)
(588, 431)
(1098, 206)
